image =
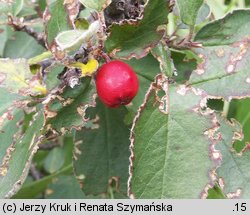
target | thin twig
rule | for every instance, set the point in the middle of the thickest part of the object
(105, 56)
(34, 172)
(48, 146)
(18, 25)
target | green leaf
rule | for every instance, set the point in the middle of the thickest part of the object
(230, 29)
(65, 187)
(189, 10)
(9, 101)
(146, 69)
(55, 159)
(39, 58)
(215, 193)
(218, 8)
(42, 5)
(239, 110)
(68, 146)
(163, 55)
(15, 76)
(28, 10)
(203, 14)
(135, 39)
(225, 61)
(52, 80)
(98, 5)
(73, 39)
(13, 8)
(57, 20)
(184, 66)
(10, 116)
(5, 8)
(33, 189)
(17, 7)
(4, 36)
(22, 46)
(16, 161)
(8, 129)
(170, 149)
(233, 173)
(102, 151)
(68, 110)
(81, 24)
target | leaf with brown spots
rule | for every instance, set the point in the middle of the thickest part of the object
(11, 116)
(16, 148)
(67, 111)
(72, 7)
(230, 29)
(233, 173)
(163, 55)
(225, 68)
(172, 138)
(16, 157)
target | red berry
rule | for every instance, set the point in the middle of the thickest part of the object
(116, 84)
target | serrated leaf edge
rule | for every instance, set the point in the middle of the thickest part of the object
(81, 110)
(132, 137)
(147, 48)
(238, 135)
(211, 133)
(24, 174)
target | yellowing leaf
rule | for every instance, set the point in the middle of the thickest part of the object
(87, 69)
(40, 89)
(16, 77)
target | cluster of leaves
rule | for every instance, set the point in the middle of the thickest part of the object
(175, 140)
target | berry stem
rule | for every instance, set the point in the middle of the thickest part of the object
(105, 56)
